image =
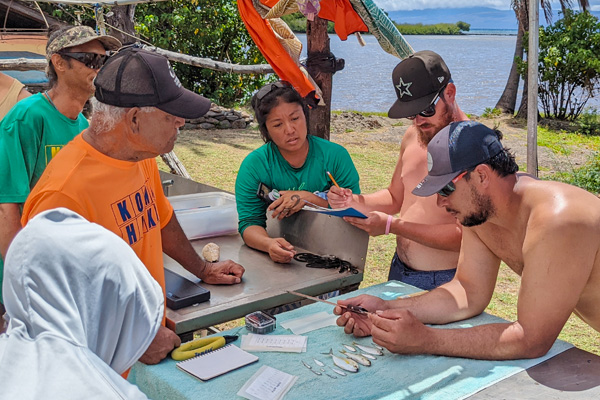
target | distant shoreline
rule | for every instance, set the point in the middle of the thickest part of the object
(502, 32)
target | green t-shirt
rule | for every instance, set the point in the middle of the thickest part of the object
(267, 165)
(31, 134)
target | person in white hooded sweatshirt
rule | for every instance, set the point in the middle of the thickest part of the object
(82, 309)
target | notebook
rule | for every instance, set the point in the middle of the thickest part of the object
(217, 362)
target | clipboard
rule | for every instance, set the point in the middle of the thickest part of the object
(336, 212)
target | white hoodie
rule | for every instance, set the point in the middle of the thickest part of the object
(82, 307)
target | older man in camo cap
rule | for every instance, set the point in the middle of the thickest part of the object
(36, 128)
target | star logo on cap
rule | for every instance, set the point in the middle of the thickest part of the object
(403, 88)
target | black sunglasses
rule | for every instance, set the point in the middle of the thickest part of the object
(450, 186)
(430, 110)
(268, 88)
(90, 60)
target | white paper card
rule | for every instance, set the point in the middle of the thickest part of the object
(267, 384)
(310, 323)
(280, 343)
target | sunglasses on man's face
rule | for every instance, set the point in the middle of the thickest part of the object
(268, 88)
(450, 186)
(430, 110)
(90, 60)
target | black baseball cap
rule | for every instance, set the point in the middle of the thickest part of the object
(417, 80)
(458, 147)
(140, 78)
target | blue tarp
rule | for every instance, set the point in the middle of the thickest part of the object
(25, 77)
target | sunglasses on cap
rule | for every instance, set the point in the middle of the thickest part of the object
(268, 88)
(450, 186)
(430, 110)
(90, 60)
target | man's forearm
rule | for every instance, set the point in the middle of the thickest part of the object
(447, 303)
(10, 224)
(382, 200)
(505, 341)
(443, 237)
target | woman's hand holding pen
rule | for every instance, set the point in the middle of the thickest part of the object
(339, 197)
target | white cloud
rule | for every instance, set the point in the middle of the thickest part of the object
(393, 5)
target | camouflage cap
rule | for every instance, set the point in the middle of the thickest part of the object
(76, 36)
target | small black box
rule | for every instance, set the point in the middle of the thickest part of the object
(182, 292)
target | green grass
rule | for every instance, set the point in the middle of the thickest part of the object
(214, 157)
(562, 142)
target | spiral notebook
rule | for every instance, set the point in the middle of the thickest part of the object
(217, 362)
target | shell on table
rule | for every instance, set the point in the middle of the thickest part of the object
(211, 252)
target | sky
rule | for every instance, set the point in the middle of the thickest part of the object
(393, 5)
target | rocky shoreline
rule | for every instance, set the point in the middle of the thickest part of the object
(220, 118)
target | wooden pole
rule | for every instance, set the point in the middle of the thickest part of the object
(317, 46)
(532, 88)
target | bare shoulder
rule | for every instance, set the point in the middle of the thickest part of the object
(558, 205)
(410, 136)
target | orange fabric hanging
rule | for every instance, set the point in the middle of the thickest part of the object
(264, 37)
(346, 20)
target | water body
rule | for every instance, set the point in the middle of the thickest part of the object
(479, 65)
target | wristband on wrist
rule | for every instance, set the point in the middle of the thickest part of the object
(388, 225)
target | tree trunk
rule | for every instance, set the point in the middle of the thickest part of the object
(317, 47)
(508, 100)
(122, 19)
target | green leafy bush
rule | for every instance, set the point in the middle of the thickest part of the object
(586, 177)
(490, 112)
(210, 29)
(569, 64)
(589, 122)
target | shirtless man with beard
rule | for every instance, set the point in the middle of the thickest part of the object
(428, 238)
(547, 232)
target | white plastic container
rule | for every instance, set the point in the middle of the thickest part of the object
(203, 215)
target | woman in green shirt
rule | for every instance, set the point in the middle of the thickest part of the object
(292, 162)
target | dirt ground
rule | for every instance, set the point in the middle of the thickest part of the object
(350, 127)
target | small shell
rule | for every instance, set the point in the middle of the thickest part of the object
(211, 252)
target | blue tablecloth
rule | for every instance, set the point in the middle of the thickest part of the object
(390, 377)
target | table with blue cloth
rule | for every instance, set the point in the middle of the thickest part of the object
(391, 376)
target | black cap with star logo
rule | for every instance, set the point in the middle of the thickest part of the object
(417, 80)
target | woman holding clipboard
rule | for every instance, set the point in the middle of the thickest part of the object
(291, 166)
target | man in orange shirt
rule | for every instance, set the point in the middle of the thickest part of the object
(108, 174)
